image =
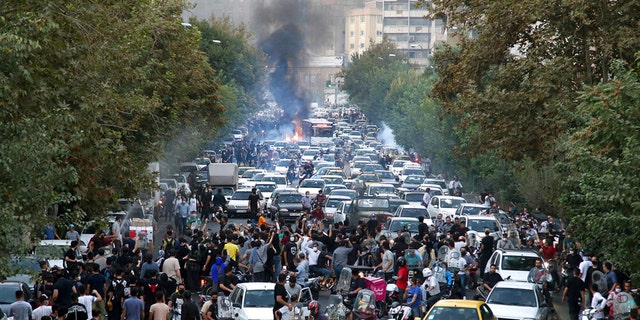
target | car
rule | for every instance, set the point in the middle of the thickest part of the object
(331, 205)
(242, 170)
(362, 182)
(282, 166)
(266, 188)
(287, 206)
(455, 309)
(386, 176)
(172, 183)
(54, 251)
(323, 171)
(328, 188)
(237, 135)
(309, 154)
(341, 211)
(396, 166)
(352, 194)
(8, 294)
(514, 264)
(478, 224)
(413, 211)
(249, 183)
(395, 224)
(24, 269)
(356, 168)
(279, 179)
(249, 174)
(250, 301)
(439, 182)
(410, 171)
(202, 163)
(372, 168)
(471, 209)
(394, 203)
(311, 185)
(239, 203)
(362, 208)
(380, 189)
(433, 188)
(413, 197)
(445, 205)
(330, 179)
(412, 182)
(511, 300)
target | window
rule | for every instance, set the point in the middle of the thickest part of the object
(352, 46)
(362, 32)
(362, 19)
(362, 46)
(352, 20)
(352, 33)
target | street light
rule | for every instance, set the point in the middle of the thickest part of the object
(216, 41)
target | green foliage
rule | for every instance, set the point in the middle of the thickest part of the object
(601, 189)
(89, 92)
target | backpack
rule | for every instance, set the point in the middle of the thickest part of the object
(120, 289)
(76, 312)
(168, 243)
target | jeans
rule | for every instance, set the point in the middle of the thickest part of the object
(463, 284)
(318, 270)
(181, 225)
(415, 312)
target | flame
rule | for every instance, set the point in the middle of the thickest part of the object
(287, 138)
(298, 123)
(295, 137)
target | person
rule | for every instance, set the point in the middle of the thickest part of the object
(280, 294)
(610, 276)
(413, 298)
(62, 289)
(49, 231)
(43, 310)
(72, 234)
(490, 279)
(314, 311)
(402, 277)
(598, 302)
(387, 263)
(302, 268)
(486, 249)
(88, 300)
(220, 200)
(254, 202)
(71, 258)
(313, 255)
(226, 283)
(505, 243)
(455, 187)
(76, 311)
(320, 198)
(431, 288)
(193, 221)
(159, 310)
(293, 289)
(357, 284)
(206, 197)
(340, 255)
(171, 267)
(427, 197)
(317, 213)
(168, 199)
(209, 309)
(189, 309)
(182, 213)
(538, 274)
(306, 202)
(20, 309)
(133, 308)
(285, 312)
(573, 293)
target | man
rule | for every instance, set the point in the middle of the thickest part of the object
(209, 309)
(490, 279)
(387, 263)
(340, 256)
(438, 222)
(427, 197)
(168, 199)
(49, 231)
(258, 257)
(43, 310)
(610, 276)
(189, 309)
(71, 259)
(62, 289)
(574, 293)
(402, 277)
(431, 288)
(182, 213)
(306, 202)
(88, 300)
(133, 307)
(171, 267)
(320, 198)
(20, 309)
(302, 268)
(280, 294)
(313, 255)
(598, 302)
(455, 187)
(177, 299)
(413, 298)
(540, 275)
(72, 234)
(293, 289)
(486, 249)
(505, 243)
(254, 202)
(357, 284)
(76, 311)
(226, 284)
(159, 310)
(317, 213)
(205, 199)
(220, 200)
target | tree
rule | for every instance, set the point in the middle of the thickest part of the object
(601, 168)
(516, 78)
(90, 92)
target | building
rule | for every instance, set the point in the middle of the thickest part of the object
(363, 26)
(413, 34)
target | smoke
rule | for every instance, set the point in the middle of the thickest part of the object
(385, 135)
(284, 29)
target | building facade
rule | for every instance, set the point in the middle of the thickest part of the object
(363, 26)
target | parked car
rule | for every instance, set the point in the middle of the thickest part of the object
(8, 294)
(518, 300)
(412, 182)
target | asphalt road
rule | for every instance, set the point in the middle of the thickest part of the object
(562, 311)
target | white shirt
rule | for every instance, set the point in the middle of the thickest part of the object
(598, 302)
(584, 267)
(426, 198)
(313, 255)
(87, 301)
(286, 313)
(40, 312)
(193, 204)
(433, 286)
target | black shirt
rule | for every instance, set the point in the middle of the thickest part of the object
(487, 244)
(574, 286)
(491, 278)
(358, 283)
(253, 202)
(189, 310)
(279, 290)
(64, 287)
(96, 282)
(227, 281)
(291, 250)
(371, 227)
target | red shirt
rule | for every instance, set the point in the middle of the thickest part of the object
(318, 214)
(403, 276)
(548, 252)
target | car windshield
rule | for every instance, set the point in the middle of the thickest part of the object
(8, 294)
(398, 164)
(283, 162)
(333, 180)
(369, 178)
(513, 297)
(202, 161)
(266, 187)
(473, 211)
(414, 212)
(312, 184)
(414, 179)
(290, 198)
(413, 171)
(310, 152)
(249, 174)
(481, 224)
(412, 197)
(277, 180)
(395, 225)
(380, 189)
(451, 203)
(51, 251)
(385, 175)
(451, 313)
(241, 195)
(328, 189)
(442, 184)
(258, 299)
(373, 203)
(344, 192)
(257, 177)
(333, 203)
(518, 263)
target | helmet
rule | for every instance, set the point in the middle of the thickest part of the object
(426, 273)
(402, 262)
(314, 307)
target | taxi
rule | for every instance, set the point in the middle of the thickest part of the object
(454, 309)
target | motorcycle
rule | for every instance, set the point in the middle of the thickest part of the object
(399, 311)
(364, 306)
(337, 308)
(587, 314)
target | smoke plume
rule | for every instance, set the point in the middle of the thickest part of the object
(284, 29)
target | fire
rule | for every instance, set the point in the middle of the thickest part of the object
(298, 130)
(287, 138)
(296, 137)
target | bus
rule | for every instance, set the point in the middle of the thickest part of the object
(317, 130)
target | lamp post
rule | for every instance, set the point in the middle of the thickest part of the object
(216, 41)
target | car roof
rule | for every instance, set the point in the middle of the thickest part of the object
(265, 182)
(492, 218)
(475, 205)
(338, 197)
(407, 219)
(257, 285)
(516, 285)
(459, 303)
(522, 253)
(450, 197)
(412, 206)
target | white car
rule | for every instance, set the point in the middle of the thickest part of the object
(249, 301)
(331, 205)
(266, 188)
(518, 300)
(440, 182)
(247, 175)
(514, 264)
(237, 135)
(414, 197)
(279, 179)
(239, 203)
(311, 185)
(412, 211)
(397, 166)
(445, 205)
(477, 225)
(309, 154)
(282, 166)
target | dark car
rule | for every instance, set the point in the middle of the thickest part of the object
(286, 206)
(363, 207)
(8, 293)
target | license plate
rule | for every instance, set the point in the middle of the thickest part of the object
(294, 214)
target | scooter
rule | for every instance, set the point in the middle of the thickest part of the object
(364, 306)
(587, 314)
(337, 308)
(399, 311)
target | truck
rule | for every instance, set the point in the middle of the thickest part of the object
(223, 176)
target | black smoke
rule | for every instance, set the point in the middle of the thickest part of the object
(285, 28)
